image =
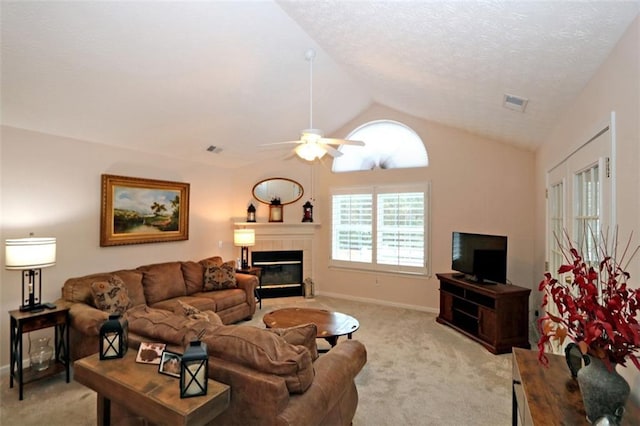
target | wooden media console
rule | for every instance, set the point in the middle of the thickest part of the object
(494, 315)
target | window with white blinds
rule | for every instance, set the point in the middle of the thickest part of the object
(587, 212)
(381, 228)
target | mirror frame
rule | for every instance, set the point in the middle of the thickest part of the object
(282, 200)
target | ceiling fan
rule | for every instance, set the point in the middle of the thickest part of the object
(312, 143)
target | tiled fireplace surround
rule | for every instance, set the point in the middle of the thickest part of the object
(286, 236)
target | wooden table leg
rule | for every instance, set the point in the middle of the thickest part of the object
(104, 411)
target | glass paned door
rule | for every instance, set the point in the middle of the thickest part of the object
(580, 202)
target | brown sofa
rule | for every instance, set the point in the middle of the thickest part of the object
(159, 286)
(275, 375)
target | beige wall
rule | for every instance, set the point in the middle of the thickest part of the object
(478, 185)
(51, 186)
(615, 87)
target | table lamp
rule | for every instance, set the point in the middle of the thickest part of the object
(244, 238)
(30, 255)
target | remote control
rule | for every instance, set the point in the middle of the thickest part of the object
(49, 305)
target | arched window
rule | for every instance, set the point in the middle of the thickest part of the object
(388, 145)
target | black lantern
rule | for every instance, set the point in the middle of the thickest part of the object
(193, 370)
(113, 337)
(251, 213)
(307, 212)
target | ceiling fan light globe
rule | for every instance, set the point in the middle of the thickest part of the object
(309, 151)
(311, 135)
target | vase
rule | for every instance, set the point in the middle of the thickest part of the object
(604, 392)
(40, 354)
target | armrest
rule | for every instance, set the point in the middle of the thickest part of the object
(87, 319)
(248, 283)
(255, 396)
(335, 374)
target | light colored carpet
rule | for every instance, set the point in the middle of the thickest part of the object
(418, 373)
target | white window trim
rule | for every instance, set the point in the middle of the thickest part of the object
(426, 270)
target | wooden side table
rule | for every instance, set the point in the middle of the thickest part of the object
(254, 270)
(24, 322)
(142, 390)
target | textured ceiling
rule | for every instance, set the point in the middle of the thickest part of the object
(176, 77)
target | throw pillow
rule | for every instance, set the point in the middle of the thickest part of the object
(111, 296)
(184, 309)
(220, 277)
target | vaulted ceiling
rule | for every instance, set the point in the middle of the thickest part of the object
(176, 77)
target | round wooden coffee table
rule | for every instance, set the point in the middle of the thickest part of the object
(331, 325)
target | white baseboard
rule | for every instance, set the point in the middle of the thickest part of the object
(378, 302)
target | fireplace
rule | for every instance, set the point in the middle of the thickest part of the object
(281, 272)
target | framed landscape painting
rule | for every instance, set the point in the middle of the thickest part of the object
(137, 211)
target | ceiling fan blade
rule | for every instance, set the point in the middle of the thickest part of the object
(281, 143)
(333, 141)
(332, 151)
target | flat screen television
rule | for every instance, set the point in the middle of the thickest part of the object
(481, 258)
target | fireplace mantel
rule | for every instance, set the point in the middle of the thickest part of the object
(279, 228)
(272, 236)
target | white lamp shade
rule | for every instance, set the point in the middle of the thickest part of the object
(244, 237)
(30, 253)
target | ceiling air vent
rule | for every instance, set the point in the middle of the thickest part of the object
(515, 103)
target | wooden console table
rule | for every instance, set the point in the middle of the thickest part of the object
(550, 396)
(142, 390)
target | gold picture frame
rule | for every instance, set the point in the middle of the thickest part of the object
(139, 211)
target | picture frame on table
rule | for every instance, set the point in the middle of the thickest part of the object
(170, 363)
(137, 211)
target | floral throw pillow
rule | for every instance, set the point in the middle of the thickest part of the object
(111, 296)
(219, 277)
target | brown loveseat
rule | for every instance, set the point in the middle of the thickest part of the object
(276, 376)
(159, 286)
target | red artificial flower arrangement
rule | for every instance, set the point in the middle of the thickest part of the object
(597, 309)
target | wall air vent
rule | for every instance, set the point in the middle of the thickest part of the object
(515, 103)
(214, 149)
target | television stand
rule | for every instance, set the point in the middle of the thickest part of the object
(494, 315)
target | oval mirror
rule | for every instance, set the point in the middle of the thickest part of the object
(287, 190)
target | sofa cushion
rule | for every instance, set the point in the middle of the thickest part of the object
(220, 277)
(213, 260)
(303, 335)
(202, 303)
(162, 281)
(193, 273)
(184, 309)
(263, 351)
(79, 289)
(223, 299)
(111, 296)
(164, 326)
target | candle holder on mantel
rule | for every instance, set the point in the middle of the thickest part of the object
(275, 210)
(307, 212)
(251, 213)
